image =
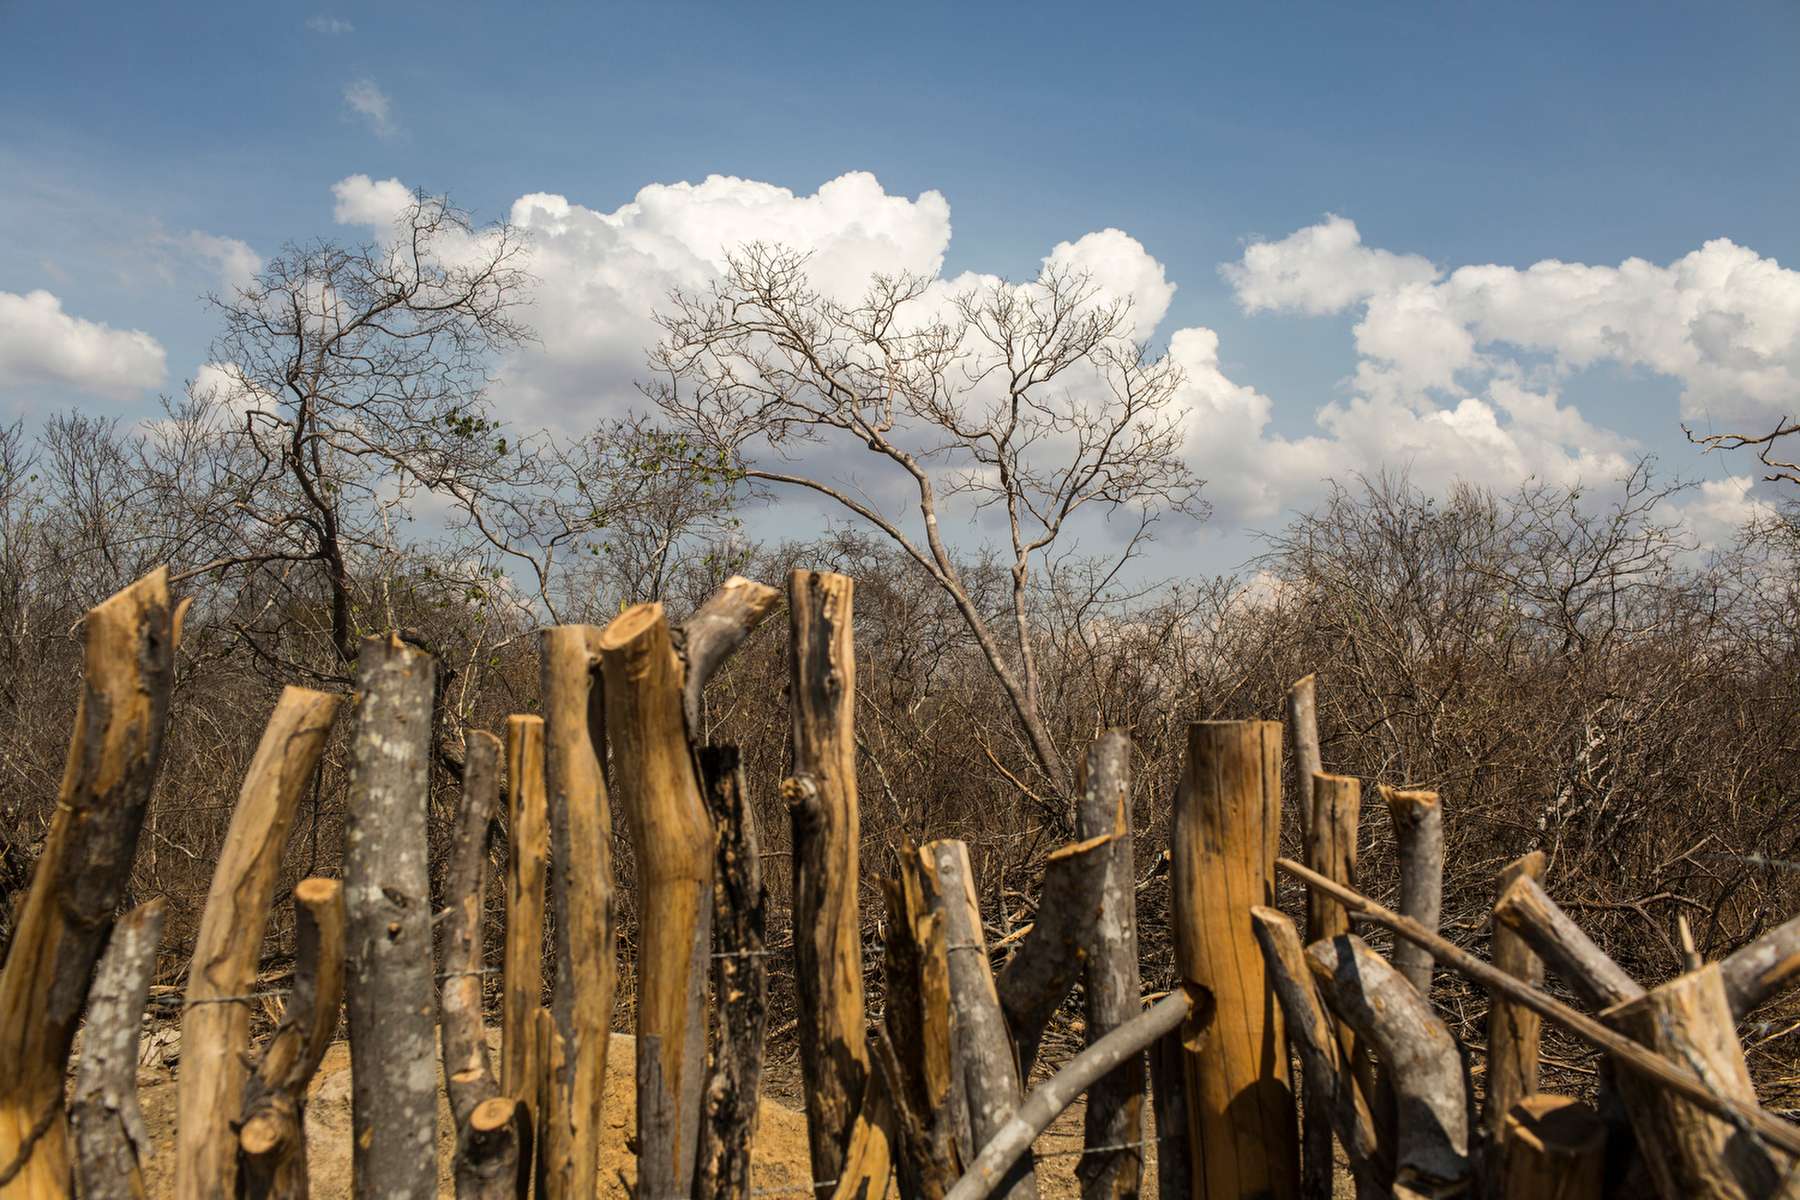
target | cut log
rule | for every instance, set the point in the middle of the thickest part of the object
(917, 1033)
(1303, 735)
(111, 1142)
(1431, 1142)
(1766, 966)
(552, 1064)
(716, 629)
(128, 665)
(1241, 1124)
(527, 858)
(1419, 836)
(1049, 959)
(1528, 911)
(272, 1137)
(1513, 1031)
(1168, 1103)
(215, 1022)
(388, 987)
(821, 798)
(923, 1167)
(672, 835)
(871, 1164)
(1552, 1148)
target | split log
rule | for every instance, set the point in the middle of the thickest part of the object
(917, 1033)
(552, 1065)
(983, 1055)
(1168, 1103)
(1111, 991)
(582, 890)
(740, 982)
(215, 1022)
(672, 835)
(1766, 966)
(388, 990)
(821, 799)
(1240, 1101)
(128, 666)
(1528, 911)
(527, 858)
(1419, 835)
(272, 1136)
(1331, 1084)
(871, 1162)
(1049, 959)
(716, 629)
(1513, 1031)
(1552, 1148)
(111, 1142)
(925, 1163)
(1013, 1140)
(1431, 1130)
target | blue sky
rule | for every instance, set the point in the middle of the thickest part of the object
(136, 139)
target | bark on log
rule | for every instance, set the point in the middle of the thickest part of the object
(1419, 834)
(388, 990)
(917, 1032)
(215, 1023)
(1242, 1132)
(871, 1163)
(1303, 733)
(582, 890)
(983, 1055)
(1331, 1085)
(740, 982)
(552, 1064)
(1049, 959)
(924, 1162)
(716, 629)
(111, 1141)
(1168, 1102)
(1431, 1145)
(1766, 966)
(1112, 991)
(672, 835)
(1552, 1148)
(128, 665)
(821, 797)
(272, 1137)
(1527, 910)
(1513, 1031)
(527, 858)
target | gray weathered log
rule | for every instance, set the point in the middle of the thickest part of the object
(1513, 1031)
(1766, 966)
(1168, 1103)
(1049, 959)
(111, 1142)
(387, 907)
(1303, 732)
(717, 628)
(1419, 833)
(1526, 909)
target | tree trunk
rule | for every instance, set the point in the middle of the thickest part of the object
(716, 629)
(111, 1142)
(1419, 833)
(1766, 966)
(1303, 734)
(1513, 1031)
(527, 858)
(918, 1032)
(1552, 1148)
(1168, 1100)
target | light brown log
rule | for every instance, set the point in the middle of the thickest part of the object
(582, 890)
(871, 1162)
(388, 986)
(917, 1033)
(1513, 1031)
(111, 1142)
(552, 1064)
(1552, 1148)
(716, 629)
(1419, 836)
(1049, 959)
(1331, 814)
(215, 1023)
(922, 1168)
(1111, 989)
(1303, 735)
(672, 836)
(821, 799)
(1526, 909)
(527, 858)
(1168, 1102)
(272, 1160)
(1766, 966)
(128, 664)
(982, 1054)
(1242, 1132)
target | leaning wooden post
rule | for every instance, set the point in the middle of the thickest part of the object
(388, 990)
(215, 1023)
(821, 797)
(1049, 959)
(527, 858)
(128, 666)
(1419, 833)
(582, 889)
(1303, 736)
(111, 1142)
(1240, 1100)
(1513, 1030)
(1552, 1148)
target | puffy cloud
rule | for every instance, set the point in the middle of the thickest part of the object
(369, 102)
(234, 261)
(40, 343)
(1324, 268)
(364, 201)
(1121, 269)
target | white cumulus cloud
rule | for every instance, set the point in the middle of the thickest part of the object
(40, 343)
(1324, 268)
(366, 99)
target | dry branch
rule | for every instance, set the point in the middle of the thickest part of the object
(111, 1142)
(1513, 1031)
(1049, 959)
(1527, 910)
(527, 857)
(1419, 834)
(717, 628)
(1766, 966)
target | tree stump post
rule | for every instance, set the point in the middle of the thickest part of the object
(1419, 835)
(111, 1141)
(527, 860)
(1513, 1030)
(1552, 1148)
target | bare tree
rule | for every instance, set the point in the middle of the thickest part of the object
(1765, 445)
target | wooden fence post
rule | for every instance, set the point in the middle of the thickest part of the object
(1049, 959)
(917, 1029)
(1240, 1101)
(1419, 834)
(110, 1139)
(527, 858)
(1513, 1030)
(389, 990)
(1316, 1165)
(1552, 1148)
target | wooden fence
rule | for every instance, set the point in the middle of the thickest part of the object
(930, 1101)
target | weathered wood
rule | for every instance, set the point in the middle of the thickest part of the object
(1111, 988)
(1766, 966)
(925, 1161)
(494, 1150)
(1528, 911)
(917, 1033)
(1431, 1142)
(388, 987)
(1168, 1103)
(871, 1162)
(1552, 1148)
(552, 1065)
(215, 1022)
(486, 1164)
(1013, 1139)
(582, 891)
(740, 982)
(1419, 836)
(1049, 959)
(983, 1055)
(821, 797)
(1242, 1132)
(672, 836)
(111, 1141)
(1331, 1084)
(128, 665)
(1303, 735)
(716, 629)
(527, 859)
(1513, 1031)
(272, 1136)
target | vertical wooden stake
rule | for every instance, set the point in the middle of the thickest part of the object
(1513, 1030)
(1240, 1100)
(1303, 735)
(1552, 1148)
(1168, 1101)
(1419, 833)
(110, 1139)
(527, 857)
